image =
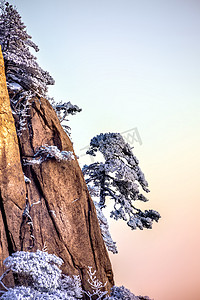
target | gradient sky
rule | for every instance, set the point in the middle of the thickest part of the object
(135, 64)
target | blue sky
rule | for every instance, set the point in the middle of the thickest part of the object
(134, 64)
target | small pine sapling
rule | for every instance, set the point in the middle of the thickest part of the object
(96, 286)
(63, 110)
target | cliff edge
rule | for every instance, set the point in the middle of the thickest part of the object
(50, 206)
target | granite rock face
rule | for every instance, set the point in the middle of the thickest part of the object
(12, 185)
(53, 208)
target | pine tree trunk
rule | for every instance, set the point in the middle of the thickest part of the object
(54, 209)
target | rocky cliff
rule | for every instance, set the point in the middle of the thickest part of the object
(51, 207)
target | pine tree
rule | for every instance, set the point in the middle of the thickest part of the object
(21, 67)
(118, 178)
(25, 78)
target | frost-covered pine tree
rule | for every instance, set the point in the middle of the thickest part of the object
(25, 78)
(21, 68)
(119, 178)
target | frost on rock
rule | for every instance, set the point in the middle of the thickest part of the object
(26, 179)
(49, 152)
(40, 277)
(21, 111)
(119, 178)
(103, 223)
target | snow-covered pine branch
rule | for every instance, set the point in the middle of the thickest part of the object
(63, 110)
(46, 152)
(119, 177)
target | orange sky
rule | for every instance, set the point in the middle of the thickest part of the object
(164, 262)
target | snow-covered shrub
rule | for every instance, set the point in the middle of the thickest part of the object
(122, 293)
(27, 293)
(40, 277)
(39, 269)
(49, 152)
(71, 286)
